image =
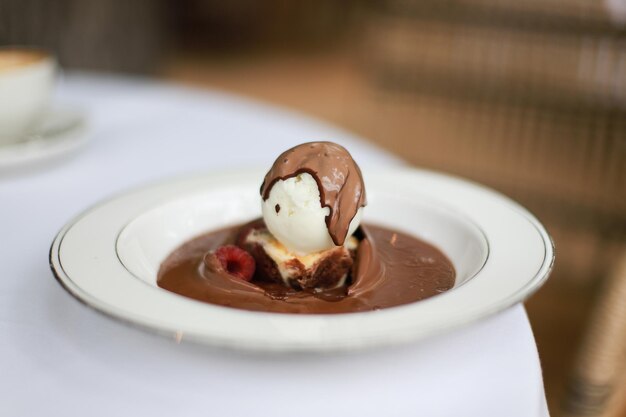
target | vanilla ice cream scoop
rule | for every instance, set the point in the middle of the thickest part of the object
(313, 197)
(293, 213)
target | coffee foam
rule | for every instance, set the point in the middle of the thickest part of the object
(17, 58)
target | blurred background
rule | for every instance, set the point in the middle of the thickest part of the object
(527, 97)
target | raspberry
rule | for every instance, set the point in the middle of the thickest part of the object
(236, 261)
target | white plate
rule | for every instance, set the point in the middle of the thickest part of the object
(108, 258)
(61, 133)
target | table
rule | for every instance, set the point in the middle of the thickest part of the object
(60, 358)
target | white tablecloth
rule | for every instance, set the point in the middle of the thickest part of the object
(58, 357)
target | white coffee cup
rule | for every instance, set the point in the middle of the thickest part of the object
(26, 81)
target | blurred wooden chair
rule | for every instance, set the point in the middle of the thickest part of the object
(598, 387)
(530, 98)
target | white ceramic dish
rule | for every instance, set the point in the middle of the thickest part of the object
(109, 256)
(61, 133)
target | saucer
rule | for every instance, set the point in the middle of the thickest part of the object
(62, 132)
(108, 258)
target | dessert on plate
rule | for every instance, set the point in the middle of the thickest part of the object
(309, 252)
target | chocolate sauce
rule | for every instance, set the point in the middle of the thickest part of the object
(392, 268)
(338, 178)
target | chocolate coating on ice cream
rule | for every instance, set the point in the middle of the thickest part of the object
(338, 178)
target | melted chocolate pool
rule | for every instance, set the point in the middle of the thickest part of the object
(392, 268)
